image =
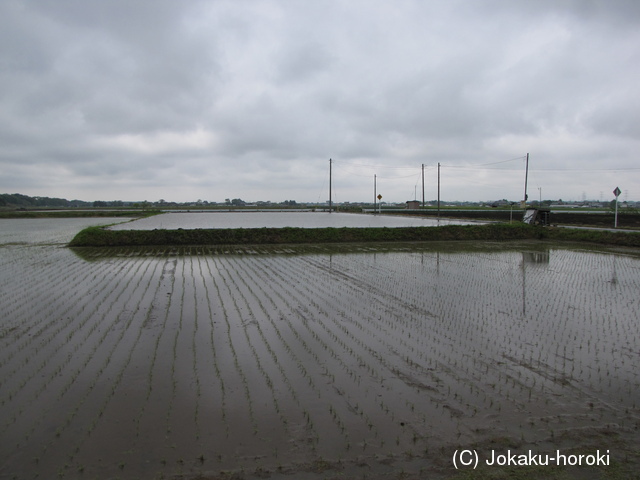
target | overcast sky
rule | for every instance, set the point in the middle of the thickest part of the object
(185, 100)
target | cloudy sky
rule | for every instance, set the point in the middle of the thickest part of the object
(186, 99)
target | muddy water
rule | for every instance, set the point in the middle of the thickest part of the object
(142, 363)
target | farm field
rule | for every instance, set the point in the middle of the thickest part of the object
(239, 219)
(307, 362)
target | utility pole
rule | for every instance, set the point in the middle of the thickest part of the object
(526, 175)
(329, 185)
(375, 206)
(423, 185)
(438, 189)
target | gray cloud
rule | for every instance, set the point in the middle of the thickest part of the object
(196, 99)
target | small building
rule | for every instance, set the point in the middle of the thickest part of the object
(413, 205)
(537, 216)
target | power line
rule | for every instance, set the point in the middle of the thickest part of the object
(600, 170)
(369, 165)
(485, 164)
(358, 174)
(587, 169)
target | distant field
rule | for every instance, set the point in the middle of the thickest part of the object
(70, 213)
(578, 217)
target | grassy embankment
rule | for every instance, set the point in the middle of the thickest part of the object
(99, 237)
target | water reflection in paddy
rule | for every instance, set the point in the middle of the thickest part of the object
(191, 220)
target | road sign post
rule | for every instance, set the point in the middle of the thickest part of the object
(617, 193)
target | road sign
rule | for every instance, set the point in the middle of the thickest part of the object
(379, 197)
(617, 192)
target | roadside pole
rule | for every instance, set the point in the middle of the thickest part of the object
(375, 187)
(617, 193)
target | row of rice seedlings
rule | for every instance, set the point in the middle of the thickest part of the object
(213, 361)
(130, 333)
(370, 341)
(162, 305)
(499, 333)
(59, 271)
(232, 347)
(558, 323)
(366, 303)
(238, 288)
(248, 272)
(566, 330)
(401, 331)
(334, 356)
(208, 274)
(484, 317)
(194, 345)
(268, 315)
(190, 352)
(597, 340)
(73, 327)
(279, 311)
(234, 291)
(107, 323)
(286, 377)
(174, 350)
(55, 365)
(39, 303)
(367, 321)
(184, 349)
(364, 286)
(19, 297)
(466, 316)
(16, 279)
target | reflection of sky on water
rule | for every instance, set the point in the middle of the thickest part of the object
(172, 221)
(47, 230)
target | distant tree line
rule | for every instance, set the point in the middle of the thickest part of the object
(25, 201)
(17, 200)
(114, 203)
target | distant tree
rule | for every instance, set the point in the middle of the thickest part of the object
(18, 200)
(238, 202)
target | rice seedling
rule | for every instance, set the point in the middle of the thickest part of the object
(184, 350)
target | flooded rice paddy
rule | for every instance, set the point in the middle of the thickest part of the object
(303, 219)
(155, 363)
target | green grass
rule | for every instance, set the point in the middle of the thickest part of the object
(100, 237)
